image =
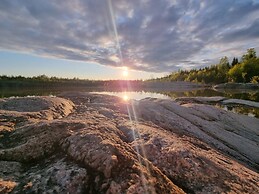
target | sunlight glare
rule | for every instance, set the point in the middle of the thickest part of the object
(125, 72)
(125, 97)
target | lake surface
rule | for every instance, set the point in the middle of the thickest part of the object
(251, 95)
(238, 94)
(138, 95)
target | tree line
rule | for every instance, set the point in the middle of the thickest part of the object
(53, 82)
(44, 81)
(245, 70)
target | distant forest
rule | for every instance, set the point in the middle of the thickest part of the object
(244, 71)
(43, 81)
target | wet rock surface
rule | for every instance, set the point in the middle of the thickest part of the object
(89, 143)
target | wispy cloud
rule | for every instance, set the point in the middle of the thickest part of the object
(155, 36)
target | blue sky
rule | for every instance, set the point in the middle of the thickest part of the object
(28, 65)
(93, 39)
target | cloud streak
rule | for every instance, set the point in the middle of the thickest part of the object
(154, 36)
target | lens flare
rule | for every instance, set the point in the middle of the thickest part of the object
(125, 98)
(132, 117)
(115, 30)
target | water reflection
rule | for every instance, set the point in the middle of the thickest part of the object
(237, 94)
(250, 111)
(135, 95)
(241, 109)
(251, 95)
(139, 94)
(125, 97)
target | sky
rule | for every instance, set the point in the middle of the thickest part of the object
(98, 39)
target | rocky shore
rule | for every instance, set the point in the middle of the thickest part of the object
(89, 143)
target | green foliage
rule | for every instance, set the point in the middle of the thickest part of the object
(251, 69)
(246, 71)
(235, 73)
(214, 74)
(255, 80)
(251, 54)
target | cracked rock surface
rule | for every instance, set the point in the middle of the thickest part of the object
(89, 143)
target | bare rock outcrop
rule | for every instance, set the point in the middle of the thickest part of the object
(82, 153)
(191, 164)
(93, 143)
(234, 134)
(16, 111)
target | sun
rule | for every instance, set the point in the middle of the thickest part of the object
(125, 72)
(125, 97)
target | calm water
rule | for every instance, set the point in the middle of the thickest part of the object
(252, 95)
(238, 94)
(245, 95)
(135, 95)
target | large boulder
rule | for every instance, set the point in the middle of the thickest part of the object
(17, 111)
